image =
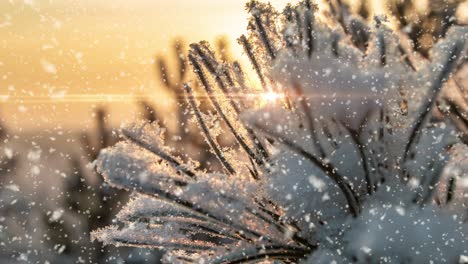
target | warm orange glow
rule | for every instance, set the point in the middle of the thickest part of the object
(66, 56)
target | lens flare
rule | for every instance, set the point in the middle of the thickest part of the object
(272, 97)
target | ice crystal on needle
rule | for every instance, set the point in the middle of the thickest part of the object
(348, 165)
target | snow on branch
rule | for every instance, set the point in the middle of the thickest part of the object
(337, 156)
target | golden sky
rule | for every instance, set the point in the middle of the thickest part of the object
(79, 51)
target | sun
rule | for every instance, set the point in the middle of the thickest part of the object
(272, 97)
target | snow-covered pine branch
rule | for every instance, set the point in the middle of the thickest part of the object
(347, 165)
